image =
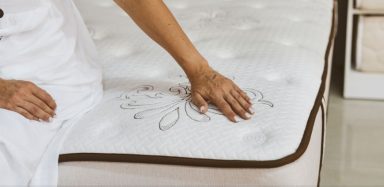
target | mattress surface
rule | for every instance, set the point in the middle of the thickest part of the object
(274, 50)
(370, 47)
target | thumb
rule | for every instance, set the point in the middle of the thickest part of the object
(200, 102)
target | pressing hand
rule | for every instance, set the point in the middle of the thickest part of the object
(210, 86)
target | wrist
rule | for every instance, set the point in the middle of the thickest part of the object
(195, 67)
(199, 70)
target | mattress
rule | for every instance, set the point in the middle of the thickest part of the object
(370, 4)
(369, 46)
(302, 172)
(274, 50)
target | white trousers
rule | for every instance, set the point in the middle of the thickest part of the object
(29, 150)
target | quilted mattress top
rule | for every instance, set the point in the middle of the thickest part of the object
(274, 50)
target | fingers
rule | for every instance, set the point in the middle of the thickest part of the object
(28, 100)
(236, 107)
(247, 106)
(200, 102)
(35, 110)
(243, 94)
(44, 96)
(234, 103)
(42, 105)
(37, 103)
(223, 105)
(26, 114)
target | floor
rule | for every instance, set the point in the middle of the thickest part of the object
(354, 152)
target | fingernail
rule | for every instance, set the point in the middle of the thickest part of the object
(248, 115)
(202, 109)
(237, 119)
(252, 110)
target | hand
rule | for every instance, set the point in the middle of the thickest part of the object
(155, 19)
(26, 99)
(210, 86)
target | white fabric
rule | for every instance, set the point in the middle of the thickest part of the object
(45, 42)
(273, 49)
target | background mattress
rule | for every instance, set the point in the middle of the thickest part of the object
(370, 4)
(370, 46)
(274, 50)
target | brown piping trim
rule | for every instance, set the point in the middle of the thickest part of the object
(169, 160)
(323, 109)
(322, 144)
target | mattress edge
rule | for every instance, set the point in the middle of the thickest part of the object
(154, 159)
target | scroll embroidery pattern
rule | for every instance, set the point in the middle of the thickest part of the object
(173, 103)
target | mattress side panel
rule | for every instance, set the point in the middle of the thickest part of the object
(304, 171)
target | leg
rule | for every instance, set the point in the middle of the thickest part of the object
(22, 144)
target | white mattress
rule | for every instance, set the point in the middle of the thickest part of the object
(275, 50)
(303, 172)
(370, 46)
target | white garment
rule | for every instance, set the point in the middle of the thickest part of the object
(47, 43)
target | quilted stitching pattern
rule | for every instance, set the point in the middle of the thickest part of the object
(276, 47)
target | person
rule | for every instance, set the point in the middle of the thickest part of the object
(49, 78)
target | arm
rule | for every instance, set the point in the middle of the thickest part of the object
(155, 19)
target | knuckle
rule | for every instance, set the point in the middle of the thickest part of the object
(222, 104)
(34, 110)
(231, 114)
(232, 100)
(246, 105)
(216, 95)
(46, 108)
(235, 94)
(194, 97)
(29, 84)
(227, 109)
(237, 107)
(227, 112)
(242, 111)
(195, 102)
(45, 117)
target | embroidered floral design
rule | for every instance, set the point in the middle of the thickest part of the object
(173, 103)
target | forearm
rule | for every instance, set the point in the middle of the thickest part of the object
(155, 19)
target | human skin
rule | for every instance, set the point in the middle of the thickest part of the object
(155, 19)
(26, 99)
(207, 85)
